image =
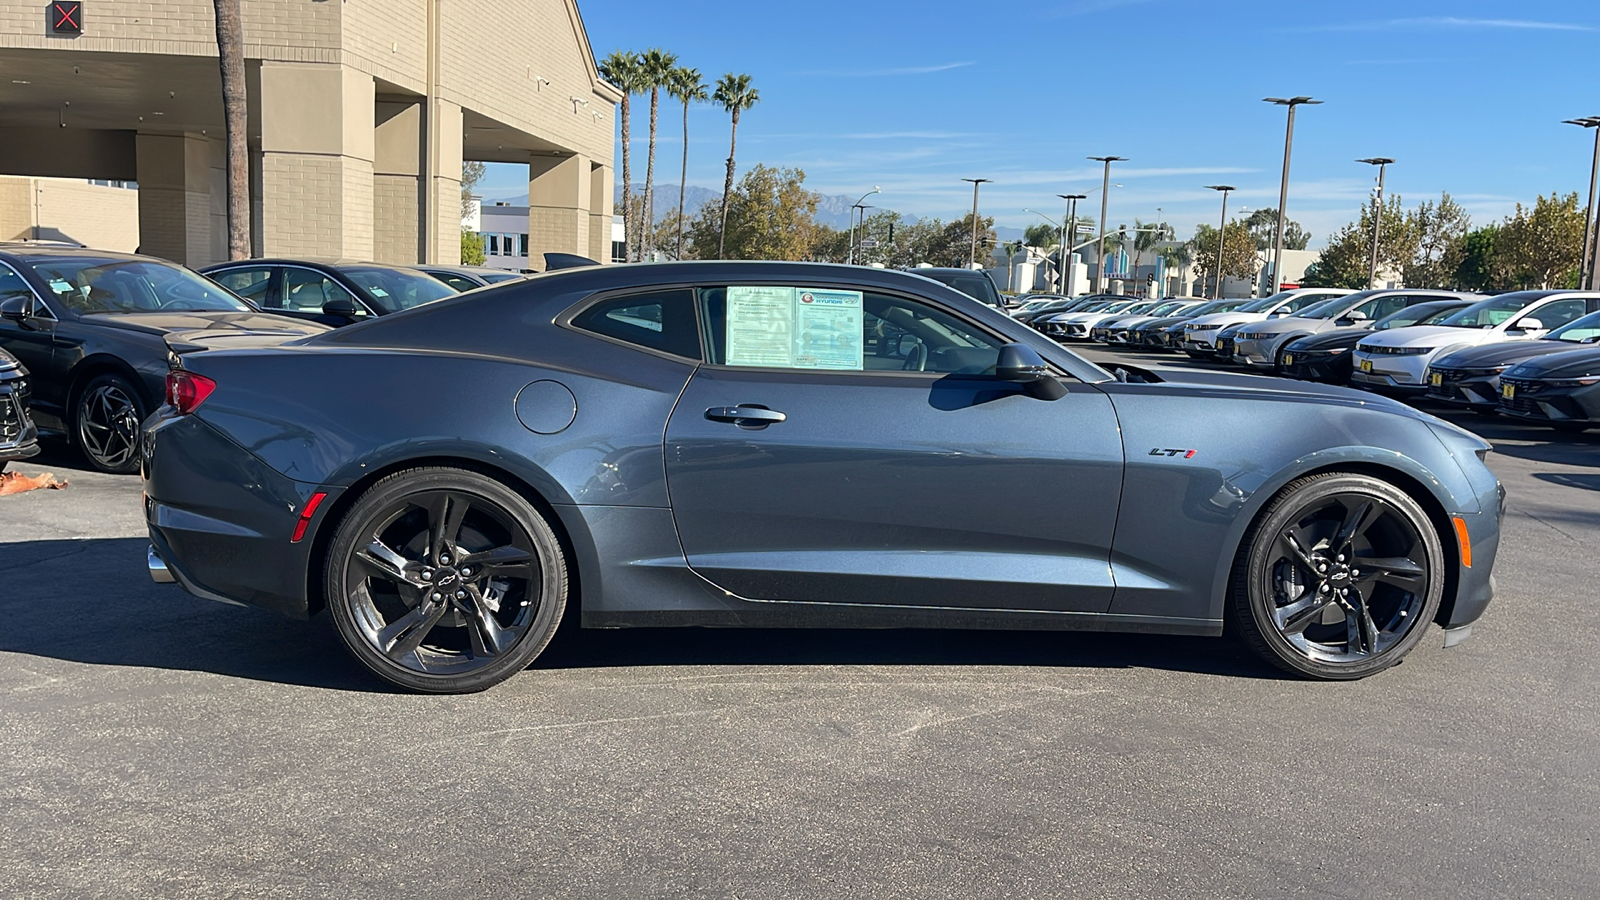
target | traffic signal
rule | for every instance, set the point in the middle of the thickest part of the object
(1150, 278)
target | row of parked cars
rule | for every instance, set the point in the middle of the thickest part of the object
(86, 335)
(1534, 355)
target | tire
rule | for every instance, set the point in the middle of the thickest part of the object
(105, 423)
(1292, 614)
(426, 618)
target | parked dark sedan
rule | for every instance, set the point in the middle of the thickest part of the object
(1326, 357)
(975, 283)
(19, 438)
(94, 330)
(1075, 304)
(467, 278)
(1561, 390)
(766, 444)
(1471, 377)
(329, 292)
(1159, 334)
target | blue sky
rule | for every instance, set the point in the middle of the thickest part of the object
(1467, 95)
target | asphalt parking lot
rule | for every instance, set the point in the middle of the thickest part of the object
(154, 744)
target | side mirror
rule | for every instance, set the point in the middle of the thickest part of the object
(339, 306)
(14, 308)
(1355, 315)
(1529, 324)
(1021, 364)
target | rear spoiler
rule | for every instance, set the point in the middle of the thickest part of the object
(181, 342)
(554, 261)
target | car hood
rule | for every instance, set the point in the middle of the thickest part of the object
(1330, 340)
(1309, 391)
(1163, 321)
(217, 322)
(1503, 353)
(1571, 364)
(1221, 320)
(1432, 336)
(1288, 324)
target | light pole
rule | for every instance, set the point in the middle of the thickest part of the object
(1382, 162)
(1586, 279)
(1222, 235)
(972, 262)
(1105, 184)
(1070, 222)
(851, 255)
(1283, 187)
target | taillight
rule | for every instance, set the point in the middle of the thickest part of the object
(186, 390)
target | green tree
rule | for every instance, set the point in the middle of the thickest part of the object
(770, 215)
(1542, 247)
(950, 244)
(1263, 225)
(1475, 267)
(688, 87)
(1346, 260)
(1439, 229)
(656, 67)
(1146, 237)
(1176, 257)
(623, 70)
(1042, 235)
(735, 95)
(1238, 249)
(1011, 249)
(471, 248)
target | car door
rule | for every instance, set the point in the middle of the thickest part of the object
(32, 340)
(853, 446)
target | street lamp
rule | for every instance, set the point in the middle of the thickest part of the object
(851, 255)
(1283, 187)
(1222, 234)
(972, 262)
(1586, 275)
(1070, 222)
(1105, 183)
(1382, 162)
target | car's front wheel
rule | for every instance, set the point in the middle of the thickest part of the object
(105, 423)
(445, 581)
(1338, 578)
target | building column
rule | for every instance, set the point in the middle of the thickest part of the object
(443, 170)
(397, 226)
(600, 188)
(316, 161)
(558, 206)
(174, 174)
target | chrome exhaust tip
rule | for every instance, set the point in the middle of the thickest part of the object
(159, 573)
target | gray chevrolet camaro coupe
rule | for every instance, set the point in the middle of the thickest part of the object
(785, 444)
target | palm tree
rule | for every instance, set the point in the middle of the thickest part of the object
(1011, 249)
(230, 53)
(736, 96)
(1177, 256)
(1145, 238)
(686, 85)
(622, 69)
(656, 67)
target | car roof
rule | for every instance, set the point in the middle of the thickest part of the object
(310, 262)
(41, 250)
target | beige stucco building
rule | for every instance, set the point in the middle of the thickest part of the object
(361, 112)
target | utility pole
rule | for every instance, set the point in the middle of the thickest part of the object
(850, 256)
(972, 261)
(1105, 190)
(1591, 232)
(1069, 233)
(1222, 237)
(1283, 187)
(1382, 163)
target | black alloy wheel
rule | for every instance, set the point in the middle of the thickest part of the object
(445, 581)
(1339, 577)
(105, 424)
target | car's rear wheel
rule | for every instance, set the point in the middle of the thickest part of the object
(445, 581)
(1338, 578)
(105, 423)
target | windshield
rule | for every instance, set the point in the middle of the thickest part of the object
(1492, 312)
(1332, 306)
(975, 285)
(397, 289)
(128, 286)
(1579, 331)
(497, 277)
(1421, 314)
(1165, 308)
(1216, 306)
(1264, 304)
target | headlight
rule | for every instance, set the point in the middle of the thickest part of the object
(1574, 382)
(1253, 335)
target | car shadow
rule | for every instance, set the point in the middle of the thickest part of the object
(89, 601)
(58, 453)
(1584, 482)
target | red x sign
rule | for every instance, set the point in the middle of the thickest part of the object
(66, 17)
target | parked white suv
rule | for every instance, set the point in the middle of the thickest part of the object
(1397, 360)
(1257, 346)
(1200, 334)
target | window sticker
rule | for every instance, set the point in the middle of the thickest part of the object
(795, 328)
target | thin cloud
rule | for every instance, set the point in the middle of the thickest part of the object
(1440, 22)
(1085, 7)
(878, 73)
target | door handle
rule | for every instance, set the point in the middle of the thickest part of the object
(750, 416)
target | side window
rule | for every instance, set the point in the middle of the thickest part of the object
(1378, 307)
(840, 330)
(1557, 314)
(456, 281)
(660, 320)
(1302, 301)
(251, 284)
(307, 290)
(12, 285)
